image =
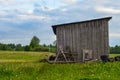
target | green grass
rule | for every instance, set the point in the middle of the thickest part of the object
(113, 55)
(7, 56)
(34, 70)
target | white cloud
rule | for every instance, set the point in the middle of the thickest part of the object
(69, 1)
(107, 10)
(8, 2)
(37, 20)
(16, 41)
(41, 18)
(2, 13)
(15, 2)
(113, 35)
(43, 8)
(30, 11)
(99, 2)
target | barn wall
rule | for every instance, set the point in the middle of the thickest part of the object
(91, 35)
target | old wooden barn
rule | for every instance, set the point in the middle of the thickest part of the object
(82, 41)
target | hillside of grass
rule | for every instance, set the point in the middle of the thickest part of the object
(31, 69)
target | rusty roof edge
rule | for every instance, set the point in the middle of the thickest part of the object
(54, 26)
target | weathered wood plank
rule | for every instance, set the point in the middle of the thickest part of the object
(91, 35)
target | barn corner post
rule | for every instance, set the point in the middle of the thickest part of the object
(86, 40)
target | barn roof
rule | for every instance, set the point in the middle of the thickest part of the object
(55, 26)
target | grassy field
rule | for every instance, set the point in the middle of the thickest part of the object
(26, 66)
(7, 56)
(113, 55)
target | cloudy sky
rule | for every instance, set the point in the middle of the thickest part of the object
(20, 20)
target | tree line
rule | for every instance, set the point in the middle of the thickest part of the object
(115, 49)
(34, 45)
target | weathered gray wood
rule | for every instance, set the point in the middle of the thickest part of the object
(60, 51)
(91, 35)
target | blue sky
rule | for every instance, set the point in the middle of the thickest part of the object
(20, 20)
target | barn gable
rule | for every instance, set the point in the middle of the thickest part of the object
(84, 40)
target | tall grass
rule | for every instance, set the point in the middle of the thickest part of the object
(45, 71)
(113, 55)
(14, 56)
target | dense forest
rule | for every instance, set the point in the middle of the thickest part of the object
(33, 46)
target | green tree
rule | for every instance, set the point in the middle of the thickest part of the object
(35, 43)
(27, 48)
(5, 47)
(12, 46)
(115, 49)
(19, 47)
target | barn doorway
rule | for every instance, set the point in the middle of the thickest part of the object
(87, 55)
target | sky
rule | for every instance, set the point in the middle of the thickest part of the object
(20, 20)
